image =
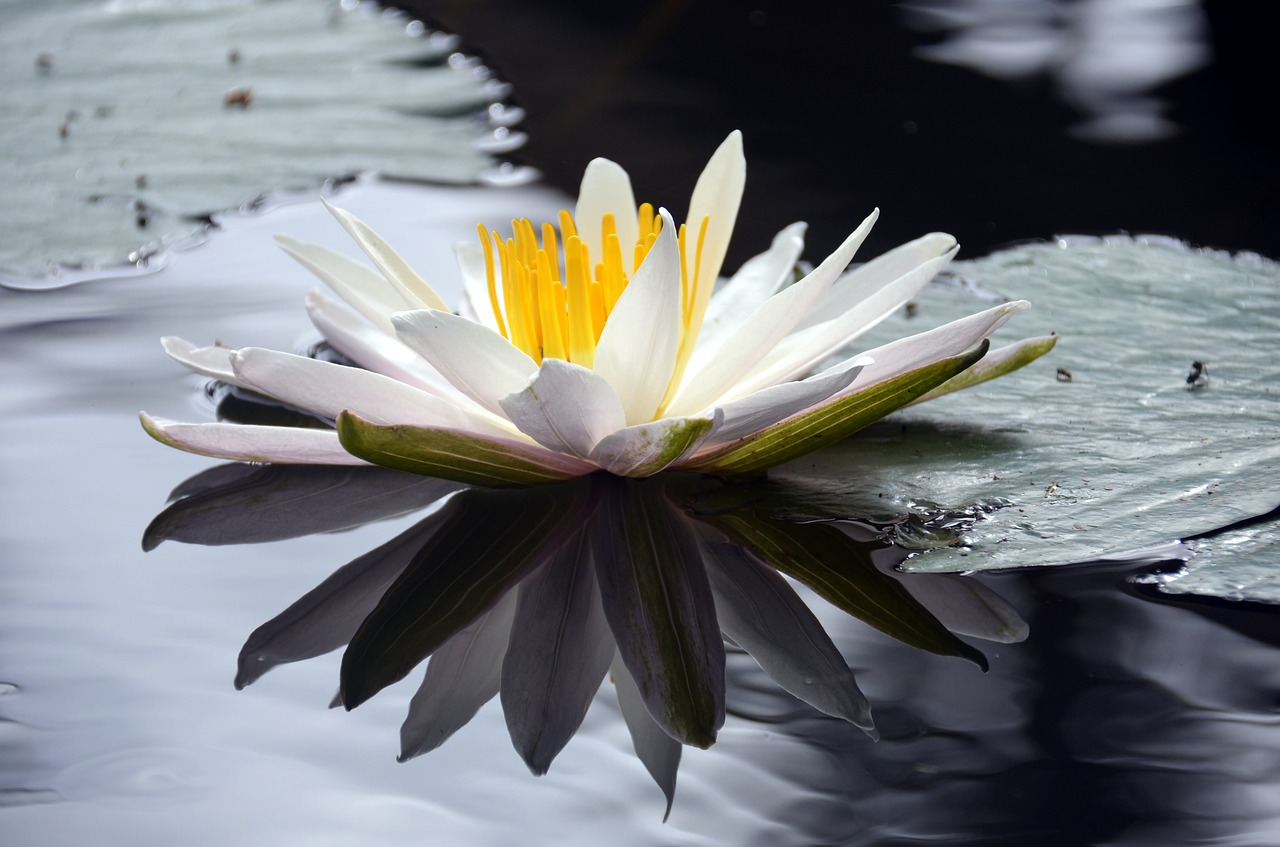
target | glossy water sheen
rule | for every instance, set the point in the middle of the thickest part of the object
(1119, 721)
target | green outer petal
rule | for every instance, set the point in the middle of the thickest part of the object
(840, 571)
(646, 449)
(1006, 360)
(459, 456)
(832, 421)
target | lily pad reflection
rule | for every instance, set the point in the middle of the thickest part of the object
(538, 595)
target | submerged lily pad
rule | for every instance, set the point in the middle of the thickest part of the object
(1108, 444)
(128, 123)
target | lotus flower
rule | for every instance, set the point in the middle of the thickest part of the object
(600, 346)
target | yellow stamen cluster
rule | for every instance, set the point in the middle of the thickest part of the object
(552, 299)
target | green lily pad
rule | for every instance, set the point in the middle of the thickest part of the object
(128, 123)
(1104, 445)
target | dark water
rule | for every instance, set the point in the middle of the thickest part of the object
(1122, 116)
(1125, 717)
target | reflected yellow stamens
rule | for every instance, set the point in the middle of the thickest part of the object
(552, 302)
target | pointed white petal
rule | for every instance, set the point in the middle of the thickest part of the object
(805, 349)
(752, 340)
(280, 444)
(905, 354)
(862, 282)
(718, 194)
(208, 361)
(967, 607)
(411, 287)
(477, 361)
(376, 351)
(759, 278)
(366, 292)
(566, 407)
(645, 449)
(606, 188)
(779, 402)
(638, 348)
(995, 364)
(326, 389)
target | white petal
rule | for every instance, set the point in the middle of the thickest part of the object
(412, 287)
(916, 351)
(208, 361)
(645, 449)
(718, 194)
(476, 360)
(279, 444)
(566, 407)
(779, 402)
(803, 350)
(475, 282)
(759, 278)
(864, 281)
(326, 389)
(367, 292)
(606, 188)
(752, 340)
(638, 348)
(374, 350)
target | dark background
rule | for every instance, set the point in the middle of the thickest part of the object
(840, 116)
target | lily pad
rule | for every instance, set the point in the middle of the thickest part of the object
(1113, 442)
(128, 123)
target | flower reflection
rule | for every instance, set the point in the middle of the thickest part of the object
(537, 595)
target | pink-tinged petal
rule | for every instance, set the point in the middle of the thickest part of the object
(800, 352)
(375, 350)
(646, 449)
(212, 362)
(638, 348)
(752, 340)
(476, 360)
(566, 407)
(364, 290)
(915, 351)
(606, 189)
(779, 402)
(326, 389)
(864, 281)
(278, 444)
(411, 287)
(759, 278)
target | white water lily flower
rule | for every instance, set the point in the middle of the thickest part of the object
(598, 345)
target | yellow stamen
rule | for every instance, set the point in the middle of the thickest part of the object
(552, 302)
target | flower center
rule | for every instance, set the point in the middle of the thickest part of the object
(551, 298)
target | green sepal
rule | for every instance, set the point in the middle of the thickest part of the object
(448, 454)
(997, 364)
(829, 423)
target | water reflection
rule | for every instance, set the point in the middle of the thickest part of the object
(535, 595)
(1106, 58)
